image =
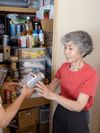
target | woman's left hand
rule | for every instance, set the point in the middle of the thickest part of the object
(44, 91)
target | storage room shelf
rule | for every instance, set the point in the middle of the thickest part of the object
(32, 102)
(17, 9)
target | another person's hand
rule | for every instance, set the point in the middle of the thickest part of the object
(27, 91)
(44, 91)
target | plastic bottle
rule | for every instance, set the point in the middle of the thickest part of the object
(28, 26)
(36, 24)
(41, 38)
(28, 32)
(36, 38)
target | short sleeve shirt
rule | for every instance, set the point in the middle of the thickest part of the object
(73, 83)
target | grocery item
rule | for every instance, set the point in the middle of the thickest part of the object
(30, 80)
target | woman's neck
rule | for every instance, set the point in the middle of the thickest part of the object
(77, 65)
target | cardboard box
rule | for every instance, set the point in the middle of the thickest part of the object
(47, 25)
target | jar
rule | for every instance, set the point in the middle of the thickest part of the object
(30, 79)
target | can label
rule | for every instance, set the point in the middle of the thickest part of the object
(5, 40)
(13, 95)
(12, 29)
(7, 95)
(18, 29)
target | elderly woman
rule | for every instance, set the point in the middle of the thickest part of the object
(78, 82)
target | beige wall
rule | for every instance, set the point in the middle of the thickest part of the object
(73, 15)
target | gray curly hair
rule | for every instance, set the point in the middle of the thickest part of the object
(81, 39)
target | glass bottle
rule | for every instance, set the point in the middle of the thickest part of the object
(28, 32)
(36, 38)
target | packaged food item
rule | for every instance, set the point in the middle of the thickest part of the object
(30, 80)
(13, 95)
(7, 95)
(5, 40)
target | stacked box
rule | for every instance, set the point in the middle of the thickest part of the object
(15, 3)
(28, 53)
(27, 65)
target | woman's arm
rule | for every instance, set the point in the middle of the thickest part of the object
(7, 115)
(54, 84)
(72, 105)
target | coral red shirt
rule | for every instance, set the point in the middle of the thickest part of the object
(73, 83)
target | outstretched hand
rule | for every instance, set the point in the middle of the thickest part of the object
(27, 91)
(44, 91)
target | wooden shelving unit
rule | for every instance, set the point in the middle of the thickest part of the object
(29, 111)
(32, 104)
(17, 10)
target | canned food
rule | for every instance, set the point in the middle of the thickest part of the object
(18, 29)
(13, 95)
(12, 29)
(30, 79)
(5, 40)
(7, 96)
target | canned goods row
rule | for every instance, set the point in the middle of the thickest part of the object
(9, 96)
(16, 29)
(5, 40)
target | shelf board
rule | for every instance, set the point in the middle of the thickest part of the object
(31, 102)
(17, 9)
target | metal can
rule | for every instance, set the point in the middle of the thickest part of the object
(12, 29)
(34, 78)
(5, 40)
(18, 28)
(31, 79)
(13, 95)
(7, 95)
